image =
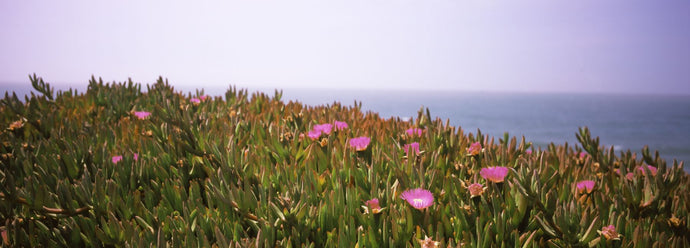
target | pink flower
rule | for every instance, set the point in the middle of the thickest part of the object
(629, 176)
(360, 143)
(495, 174)
(373, 206)
(475, 190)
(609, 232)
(418, 198)
(528, 152)
(142, 114)
(585, 186)
(116, 159)
(195, 100)
(474, 149)
(325, 128)
(414, 132)
(136, 156)
(413, 145)
(314, 134)
(203, 98)
(652, 169)
(340, 125)
(317, 130)
(582, 155)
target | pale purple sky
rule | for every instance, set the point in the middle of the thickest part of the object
(573, 46)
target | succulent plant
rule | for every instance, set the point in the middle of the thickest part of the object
(115, 166)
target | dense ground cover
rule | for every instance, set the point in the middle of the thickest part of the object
(116, 166)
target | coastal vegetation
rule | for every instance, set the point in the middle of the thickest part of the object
(117, 166)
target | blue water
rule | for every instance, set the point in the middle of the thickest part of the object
(626, 122)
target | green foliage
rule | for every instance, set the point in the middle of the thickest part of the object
(240, 170)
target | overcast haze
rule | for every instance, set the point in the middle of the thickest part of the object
(543, 46)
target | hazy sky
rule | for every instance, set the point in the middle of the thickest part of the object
(584, 45)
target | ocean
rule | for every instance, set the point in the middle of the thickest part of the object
(626, 122)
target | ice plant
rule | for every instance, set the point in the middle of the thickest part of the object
(495, 174)
(340, 125)
(142, 114)
(585, 186)
(372, 206)
(428, 242)
(414, 132)
(195, 100)
(474, 149)
(418, 198)
(629, 176)
(116, 159)
(609, 232)
(582, 155)
(413, 145)
(475, 189)
(652, 169)
(314, 134)
(360, 143)
(324, 128)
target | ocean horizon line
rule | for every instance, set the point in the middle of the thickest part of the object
(8, 86)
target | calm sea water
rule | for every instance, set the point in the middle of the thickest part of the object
(626, 122)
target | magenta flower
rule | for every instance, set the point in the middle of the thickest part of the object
(136, 156)
(142, 114)
(325, 128)
(582, 155)
(360, 143)
(372, 206)
(414, 132)
(317, 130)
(528, 152)
(585, 186)
(652, 169)
(413, 145)
(116, 159)
(495, 174)
(474, 149)
(340, 125)
(203, 98)
(475, 190)
(418, 198)
(314, 134)
(195, 100)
